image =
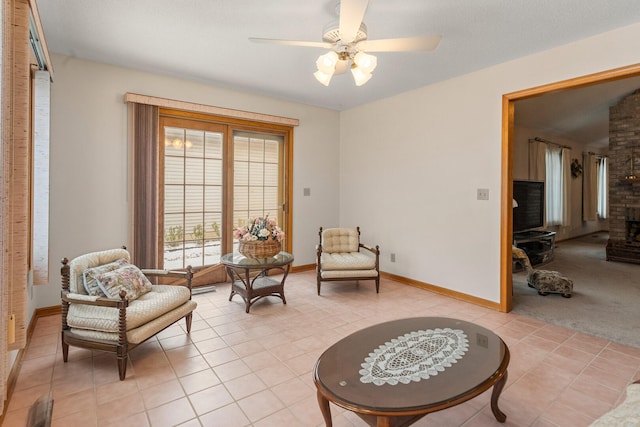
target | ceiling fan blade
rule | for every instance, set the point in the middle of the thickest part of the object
(351, 14)
(404, 44)
(292, 42)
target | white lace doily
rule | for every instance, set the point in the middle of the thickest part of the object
(414, 356)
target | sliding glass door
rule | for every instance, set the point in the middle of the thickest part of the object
(215, 178)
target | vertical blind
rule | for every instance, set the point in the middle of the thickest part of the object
(145, 184)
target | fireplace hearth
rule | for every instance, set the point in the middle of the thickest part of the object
(632, 224)
(627, 250)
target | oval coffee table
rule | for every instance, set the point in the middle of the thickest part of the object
(396, 372)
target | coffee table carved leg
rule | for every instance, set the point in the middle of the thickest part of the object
(326, 410)
(495, 395)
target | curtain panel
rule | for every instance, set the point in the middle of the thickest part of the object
(40, 199)
(537, 160)
(603, 186)
(553, 186)
(145, 153)
(566, 187)
(589, 188)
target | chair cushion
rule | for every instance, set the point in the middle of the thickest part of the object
(346, 261)
(141, 333)
(78, 265)
(348, 274)
(340, 240)
(90, 276)
(126, 278)
(161, 299)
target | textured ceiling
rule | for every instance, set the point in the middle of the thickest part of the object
(581, 115)
(207, 40)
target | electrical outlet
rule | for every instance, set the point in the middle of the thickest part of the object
(483, 194)
(393, 257)
(307, 191)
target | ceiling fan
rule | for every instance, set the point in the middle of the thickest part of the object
(347, 40)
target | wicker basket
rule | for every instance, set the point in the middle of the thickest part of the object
(259, 248)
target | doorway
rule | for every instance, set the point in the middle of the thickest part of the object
(508, 114)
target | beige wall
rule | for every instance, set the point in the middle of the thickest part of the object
(409, 166)
(89, 204)
(429, 150)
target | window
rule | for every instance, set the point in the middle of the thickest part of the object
(554, 185)
(602, 184)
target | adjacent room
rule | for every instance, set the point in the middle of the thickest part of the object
(234, 213)
(577, 122)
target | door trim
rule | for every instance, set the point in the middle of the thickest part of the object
(506, 209)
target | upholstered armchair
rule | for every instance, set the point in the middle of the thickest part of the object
(109, 304)
(339, 257)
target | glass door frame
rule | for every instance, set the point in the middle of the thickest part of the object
(231, 126)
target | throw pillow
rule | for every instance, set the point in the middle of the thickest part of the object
(90, 275)
(128, 278)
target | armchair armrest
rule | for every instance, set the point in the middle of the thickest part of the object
(375, 250)
(69, 297)
(164, 273)
(186, 275)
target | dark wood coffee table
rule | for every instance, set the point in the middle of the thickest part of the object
(394, 373)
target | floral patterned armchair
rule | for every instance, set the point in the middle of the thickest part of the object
(109, 304)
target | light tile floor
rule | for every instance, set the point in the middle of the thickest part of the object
(239, 369)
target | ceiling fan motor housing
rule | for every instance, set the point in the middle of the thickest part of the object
(331, 33)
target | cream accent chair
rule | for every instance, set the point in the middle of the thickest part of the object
(116, 324)
(339, 257)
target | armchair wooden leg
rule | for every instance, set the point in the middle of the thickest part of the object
(318, 287)
(122, 366)
(188, 319)
(378, 285)
(65, 350)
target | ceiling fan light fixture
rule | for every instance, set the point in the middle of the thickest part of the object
(360, 76)
(365, 62)
(322, 77)
(327, 62)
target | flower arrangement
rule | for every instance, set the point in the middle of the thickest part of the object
(260, 239)
(259, 229)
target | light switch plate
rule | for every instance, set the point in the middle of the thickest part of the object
(483, 194)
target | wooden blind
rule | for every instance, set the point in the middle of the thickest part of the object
(14, 179)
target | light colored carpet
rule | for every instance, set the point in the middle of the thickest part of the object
(606, 295)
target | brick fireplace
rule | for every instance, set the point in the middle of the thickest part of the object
(624, 180)
(632, 222)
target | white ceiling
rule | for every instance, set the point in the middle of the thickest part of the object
(207, 40)
(581, 115)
